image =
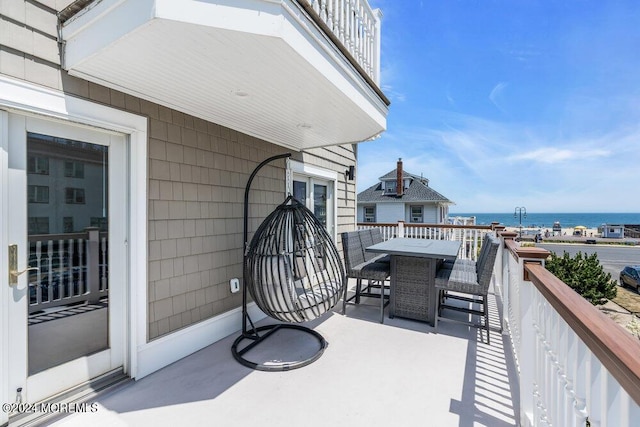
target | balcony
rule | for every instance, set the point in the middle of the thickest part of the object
(297, 73)
(559, 361)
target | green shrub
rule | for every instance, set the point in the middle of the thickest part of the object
(585, 275)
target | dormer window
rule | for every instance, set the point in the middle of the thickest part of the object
(390, 187)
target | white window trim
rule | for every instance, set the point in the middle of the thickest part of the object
(29, 99)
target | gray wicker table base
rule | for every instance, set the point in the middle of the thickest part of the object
(413, 292)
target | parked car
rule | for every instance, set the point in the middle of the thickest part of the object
(630, 276)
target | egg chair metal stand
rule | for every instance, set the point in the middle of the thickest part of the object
(293, 272)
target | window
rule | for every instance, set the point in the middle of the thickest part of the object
(390, 186)
(74, 196)
(73, 169)
(38, 194)
(38, 225)
(416, 214)
(369, 214)
(67, 224)
(38, 165)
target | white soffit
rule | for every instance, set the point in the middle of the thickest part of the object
(257, 66)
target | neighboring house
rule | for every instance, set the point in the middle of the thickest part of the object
(145, 118)
(615, 231)
(402, 196)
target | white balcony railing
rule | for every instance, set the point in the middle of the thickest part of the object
(356, 26)
(576, 366)
(470, 235)
(71, 268)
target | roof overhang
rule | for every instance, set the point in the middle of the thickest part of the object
(261, 67)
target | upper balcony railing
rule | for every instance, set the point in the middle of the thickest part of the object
(356, 28)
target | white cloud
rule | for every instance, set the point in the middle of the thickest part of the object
(556, 155)
(496, 93)
(487, 166)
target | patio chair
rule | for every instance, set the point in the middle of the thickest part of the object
(358, 267)
(293, 272)
(469, 263)
(470, 285)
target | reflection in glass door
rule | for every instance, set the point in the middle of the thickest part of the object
(320, 203)
(67, 221)
(319, 200)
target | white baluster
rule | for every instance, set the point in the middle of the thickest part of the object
(64, 281)
(39, 272)
(81, 282)
(104, 280)
(50, 269)
(70, 244)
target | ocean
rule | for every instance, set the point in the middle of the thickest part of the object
(546, 220)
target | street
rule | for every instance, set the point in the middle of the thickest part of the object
(612, 257)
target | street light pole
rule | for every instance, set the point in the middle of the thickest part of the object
(522, 211)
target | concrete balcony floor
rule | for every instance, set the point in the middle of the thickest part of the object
(399, 373)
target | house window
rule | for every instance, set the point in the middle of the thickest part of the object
(38, 225)
(73, 169)
(67, 224)
(369, 214)
(74, 196)
(38, 194)
(38, 165)
(390, 187)
(416, 214)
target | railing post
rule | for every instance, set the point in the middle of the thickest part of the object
(93, 268)
(505, 277)
(400, 228)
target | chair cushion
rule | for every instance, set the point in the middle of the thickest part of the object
(373, 270)
(460, 280)
(465, 264)
(384, 258)
(275, 278)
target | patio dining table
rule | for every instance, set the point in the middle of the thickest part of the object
(413, 273)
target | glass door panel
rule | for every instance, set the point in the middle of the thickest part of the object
(67, 211)
(320, 203)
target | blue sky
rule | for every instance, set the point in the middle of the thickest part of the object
(505, 103)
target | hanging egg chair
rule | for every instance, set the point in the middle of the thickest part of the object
(293, 272)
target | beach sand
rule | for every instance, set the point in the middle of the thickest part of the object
(589, 232)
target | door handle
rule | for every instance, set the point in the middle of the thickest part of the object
(13, 266)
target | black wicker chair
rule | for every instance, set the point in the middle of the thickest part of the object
(293, 270)
(468, 282)
(375, 269)
(294, 273)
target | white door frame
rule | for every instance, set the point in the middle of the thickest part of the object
(27, 99)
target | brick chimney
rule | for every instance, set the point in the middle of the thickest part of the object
(399, 181)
